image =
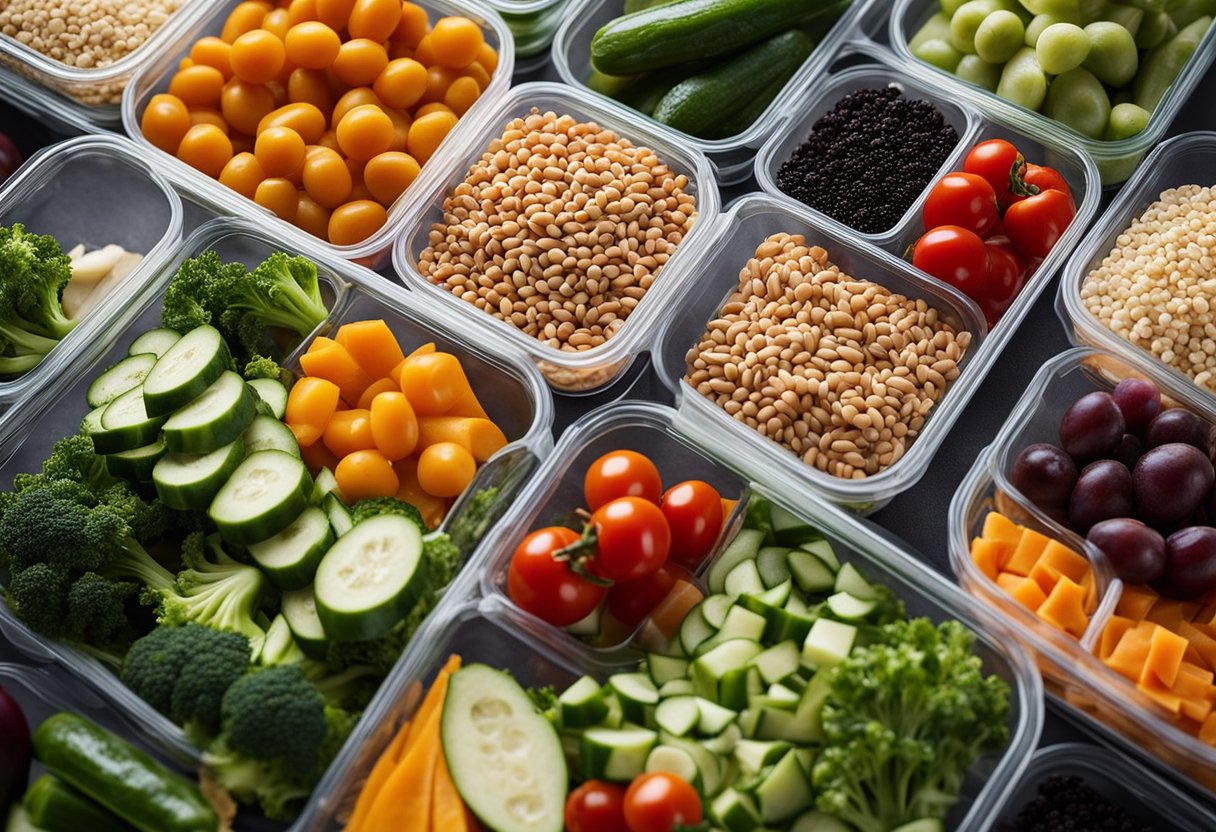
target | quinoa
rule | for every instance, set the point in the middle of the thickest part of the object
(869, 158)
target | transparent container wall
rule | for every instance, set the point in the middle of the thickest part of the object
(1189, 159)
(1146, 799)
(373, 252)
(92, 190)
(573, 373)
(731, 157)
(27, 96)
(712, 277)
(533, 23)
(1116, 160)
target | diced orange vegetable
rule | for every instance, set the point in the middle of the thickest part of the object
(1111, 633)
(1196, 710)
(433, 382)
(1170, 613)
(1127, 659)
(1065, 607)
(310, 405)
(728, 508)
(433, 508)
(1135, 602)
(1207, 732)
(1027, 553)
(393, 424)
(999, 527)
(404, 802)
(480, 437)
(989, 554)
(349, 431)
(1045, 576)
(1166, 698)
(433, 702)
(1165, 653)
(317, 456)
(331, 361)
(373, 346)
(379, 775)
(445, 469)
(366, 474)
(1090, 582)
(448, 812)
(1065, 561)
(669, 613)
(1023, 590)
(384, 385)
(1203, 643)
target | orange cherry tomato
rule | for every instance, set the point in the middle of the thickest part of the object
(389, 174)
(277, 23)
(457, 41)
(433, 107)
(305, 119)
(326, 178)
(478, 73)
(244, 105)
(358, 97)
(412, 26)
(487, 57)
(462, 94)
(394, 425)
(374, 19)
(243, 174)
(205, 148)
(213, 52)
(257, 56)
(334, 13)
(365, 132)
(280, 151)
(366, 474)
(445, 469)
(427, 132)
(244, 17)
(301, 11)
(165, 121)
(402, 83)
(312, 45)
(198, 86)
(206, 115)
(309, 86)
(354, 222)
(311, 403)
(438, 79)
(278, 195)
(310, 216)
(359, 62)
(349, 431)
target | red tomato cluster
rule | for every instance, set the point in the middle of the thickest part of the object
(988, 226)
(638, 542)
(655, 802)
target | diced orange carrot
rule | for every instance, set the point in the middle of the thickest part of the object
(1192, 655)
(1027, 553)
(310, 405)
(988, 555)
(1127, 659)
(373, 346)
(480, 437)
(384, 385)
(1169, 700)
(1065, 607)
(1065, 561)
(334, 363)
(1207, 732)
(447, 809)
(1045, 576)
(404, 802)
(1090, 583)
(320, 343)
(999, 527)
(728, 508)
(1203, 643)
(394, 425)
(380, 772)
(366, 474)
(1196, 710)
(349, 431)
(1169, 613)
(1023, 590)
(1135, 602)
(1111, 633)
(1165, 653)
(433, 382)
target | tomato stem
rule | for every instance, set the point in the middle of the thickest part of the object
(1017, 185)
(578, 556)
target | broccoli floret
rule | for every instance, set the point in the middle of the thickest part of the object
(73, 458)
(33, 272)
(544, 698)
(475, 518)
(38, 596)
(199, 291)
(443, 559)
(97, 611)
(370, 507)
(262, 367)
(275, 715)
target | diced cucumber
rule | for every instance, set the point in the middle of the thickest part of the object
(266, 433)
(829, 642)
(615, 717)
(741, 623)
(326, 483)
(749, 721)
(849, 607)
(796, 604)
(784, 791)
(619, 755)
(715, 608)
(709, 764)
(664, 669)
(154, 342)
(264, 495)
(744, 547)
(714, 719)
(290, 558)
(819, 822)
(823, 550)
(338, 514)
(779, 694)
(922, 825)
(849, 580)
(217, 416)
(126, 425)
(582, 704)
(505, 759)
(777, 662)
(91, 423)
(771, 563)
(812, 575)
(756, 755)
(744, 579)
(272, 393)
(806, 759)
(784, 625)
(136, 464)
(119, 378)
(370, 578)
(185, 370)
(735, 811)
(788, 529)
(677, 761)
(694, 630)
(676, 687)
(589, 625)
(708, 670)
(738, 686)
(191, 481)
(637, 694)
(300, 610)
(678, 715)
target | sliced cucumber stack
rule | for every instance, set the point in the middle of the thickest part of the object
(187, 368)
(191, 481)
(300, 610)
(118, 379)
(266, 433)
(91, 423)
(290, 558)
(126, 425)
(137, 464)
(272, 393)
(217, 416)
(154, 342)
(264, 495)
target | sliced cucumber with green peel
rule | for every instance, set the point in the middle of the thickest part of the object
(849, 580)
(154, 342)
(272, 393)
(370, 579)
(264, 495)
(637, 694)
(582, 704)
(219, 415)
(784, 791)
(678, 715)
(676, 687)
(185, 370)
(715, 609)
(191, 481)
(326, 483)
(677, 761)
(300, 610)
(137, 464)
(848, 607)
(126, 425)
(266, 433)
(290, 558)
(772, 565)
(664, 669)
(91, 423)
(756, 755)
(118, 379)
(338, 513)
(615, 754)
(745, 546)
(812, 575)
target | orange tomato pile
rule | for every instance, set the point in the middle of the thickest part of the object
(390, 425)
(321, 111)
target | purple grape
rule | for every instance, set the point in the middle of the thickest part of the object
(1045, 475)
(1139, 401)
(1104, 490)
(1129, 451)
(1171, 482)
(1178, 425)
(1092, 427)
(1190, 569)
(1136, 551)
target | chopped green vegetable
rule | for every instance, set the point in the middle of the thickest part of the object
(33, 273)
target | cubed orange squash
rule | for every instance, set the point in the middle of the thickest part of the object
(1065, 561)
(1065, 607)
(1111, 633)
(480, 437)
(310, 405)
(1169, 613)
(320, 343)
(1127, 659)
(999, 527)
(373, 346)
(333, 363)
(1207, 731)
(1192, 655)
(1203, 643)
(1023, 590)
(384, 385)
(1045, 576)
(988, 554)
(1135, 602)
(1193, 681)
(1165, 653)
(1027, 553)
(1162, 695)
(1196, 709)
(1090, 583)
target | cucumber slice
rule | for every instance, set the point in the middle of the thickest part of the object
(778, 662)
(290, 558)
(829, 642)
(370, 579)
(217, 416)
(664, 669)
(756, 755)
(784, 791)
(677, 761)
(790, 530)
(744, 547)
(740, 623)
(138, 464)
(338, 514)
(637, 694)
(186, 369)
(154, 342)
(589, 625)
(854, 583)
(300, 610)
(694, 630)
(676, 687)
(819, 822)
(714, 718)
(744, 579)
(738, 686)
(191, 481)
(771, 563)
(266, 433)
(823, 550)
(709, 765)
(708, 671)
(715, 609)
(608, 754)
(91, 423)
(848, 607)
(264, 495)
(126, 425)
(813, 576)
(506, 760)
(678, 715)
(735, 811)
(119, 378)
(272, 393)
(582, 704)
(326, 483)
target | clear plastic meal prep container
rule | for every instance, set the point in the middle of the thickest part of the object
(1183, 160)
(568, 372)
(510, 388)
(494, 632)
(154, 77)
(94, 190)
(1116, 159)
(533, 23)
(27, 96)
(1097, 695)
(731, 157)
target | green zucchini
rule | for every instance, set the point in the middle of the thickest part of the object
(120, 777)
(696, 106)
(56, 807)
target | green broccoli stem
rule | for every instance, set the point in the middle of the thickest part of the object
(106, 657)
(25, 338)
(52, 317)
(288, 307)
(136, 564)
(16, 365)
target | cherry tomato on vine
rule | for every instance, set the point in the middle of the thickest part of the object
(994, 161)
(631, 602)
(621, 474)
(659, 802)
(632, 539)
(550, 589)
(963, 199)
(956, 256)
(596, 806)
(694, 512)
(1036, 223)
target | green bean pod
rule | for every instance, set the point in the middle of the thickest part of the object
(1162, 65)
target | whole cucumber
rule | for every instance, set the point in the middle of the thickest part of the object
(120, 777)
(56, 807)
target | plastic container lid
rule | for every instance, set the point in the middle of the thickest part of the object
(568, 372)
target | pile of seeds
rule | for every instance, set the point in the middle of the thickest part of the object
(839, 370)
(1157, 287)
(559, 229)
(869, 158)
(1069, 804)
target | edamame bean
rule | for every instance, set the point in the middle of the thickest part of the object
(1187, 12)
(935, 28)
(999, 37)
(1061, 47)
(966, 21)
(1037, 26)
(1126, 120)
(1092, 10)
(975, 70)
(1061, 9)
(1078, 99)
(1022, 80)
(1155, 29)
(951, 6)
(1162, 65)
(1113, 57)
(939, 53)
(1129, 17)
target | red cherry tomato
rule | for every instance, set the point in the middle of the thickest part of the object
(1036, 223)
(994, 161)
(963, 199)
(632, 539)
(1045, 179)
(621, 474)
(694, 512)
(956, 256)
(596, 806)
(1006, 276)
(659, 802)
(10, 157)
(631, 602)
(548, 588)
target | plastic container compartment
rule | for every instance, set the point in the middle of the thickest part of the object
(154, 77)
(92, 96)
(1144, 796)
(1098, 696)
(508, 385)
(493, 632)
(1183, 160)
(1116, 159)
(731, 157)
(533, 23)
(93, 190)
(25, 95)
(708, 280)
(573, 373)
